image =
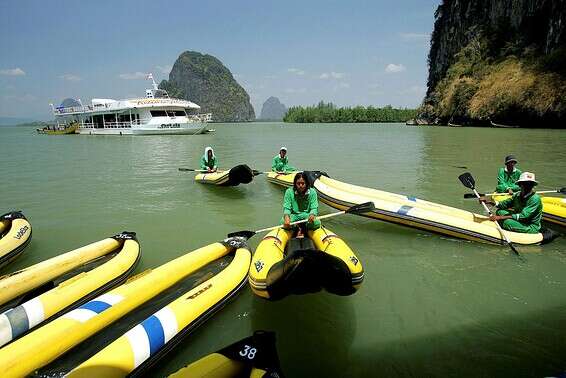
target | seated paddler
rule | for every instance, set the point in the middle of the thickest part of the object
(507, 176)
(523, 211)
(208, 161)
(280, 162)
(300, 202)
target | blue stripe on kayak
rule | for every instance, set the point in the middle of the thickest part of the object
(155, 333)
(19, 321)
(403, 210)
(414, 199)
(96, 306)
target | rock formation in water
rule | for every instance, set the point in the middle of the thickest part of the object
(203, 79)
(273, 109)
(498, 62)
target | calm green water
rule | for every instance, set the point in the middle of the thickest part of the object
(429, 305)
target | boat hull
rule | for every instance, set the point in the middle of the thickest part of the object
(240, 174)
(254, 356)
(191, 129)
(15, 235)
(71, 291)
(282, 266)
(128, 354)
(413, 212)
(282, 179)
(45, 344)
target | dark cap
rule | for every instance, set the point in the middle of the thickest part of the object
(510, 158)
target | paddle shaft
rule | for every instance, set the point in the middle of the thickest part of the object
(304, 221)
(194, 170)
(496, 223)
(537, 192)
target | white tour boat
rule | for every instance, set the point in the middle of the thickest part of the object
(157, 113)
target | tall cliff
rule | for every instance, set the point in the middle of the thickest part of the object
(498, 60)
(273, 109)
(204, 80)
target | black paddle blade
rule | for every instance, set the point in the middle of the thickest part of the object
(467, 180)
(243, 234)
(365, 207)
(186, 169)
(562, 190)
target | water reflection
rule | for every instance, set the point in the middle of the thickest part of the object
(308, 327)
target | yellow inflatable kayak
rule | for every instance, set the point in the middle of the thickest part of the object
(282, 179)
(240, 174)
(254, 356)
(144, 344)
(45, 344)
(42, 276)
(282, 265)
(15, 235)
(553, 209)
(72, 291)
(417, 213)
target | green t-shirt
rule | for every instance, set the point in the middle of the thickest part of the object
(526, 210)
(300, 204)
(506, 180)
(212, 163)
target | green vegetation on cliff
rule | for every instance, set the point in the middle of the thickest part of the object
(203, 79)
(329, 113)
(497, 61)
(513, 87)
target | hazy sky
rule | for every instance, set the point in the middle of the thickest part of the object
(347, 52)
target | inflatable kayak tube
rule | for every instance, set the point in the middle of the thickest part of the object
(553, 209)
(282, 179)
(73, 291)
(15, 235)
(42, 276)
(254, 356)
(143, 345)
(45, 344)
(282, 265)
(413, 212)
(240, 174)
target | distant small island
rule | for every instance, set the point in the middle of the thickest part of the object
(272, 110)
(330, 113)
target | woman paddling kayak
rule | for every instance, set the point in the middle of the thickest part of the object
(300, 202)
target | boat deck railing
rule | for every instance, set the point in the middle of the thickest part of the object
(73, 109)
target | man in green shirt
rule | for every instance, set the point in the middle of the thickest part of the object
(508, 176)
(281, 162)
(300, 202)
(208, 161)
(523, 211)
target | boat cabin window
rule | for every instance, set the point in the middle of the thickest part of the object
(178, 113)
(158, 113)
(160, 93)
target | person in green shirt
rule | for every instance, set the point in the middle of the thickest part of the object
(280, 162)
(507, 176)
(523, 211)
(300, 202)
(208, 161)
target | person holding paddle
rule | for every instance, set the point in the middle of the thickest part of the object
(300, 202)
(280, 162)
(507, 176)
(208, 161)
(523, 211)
